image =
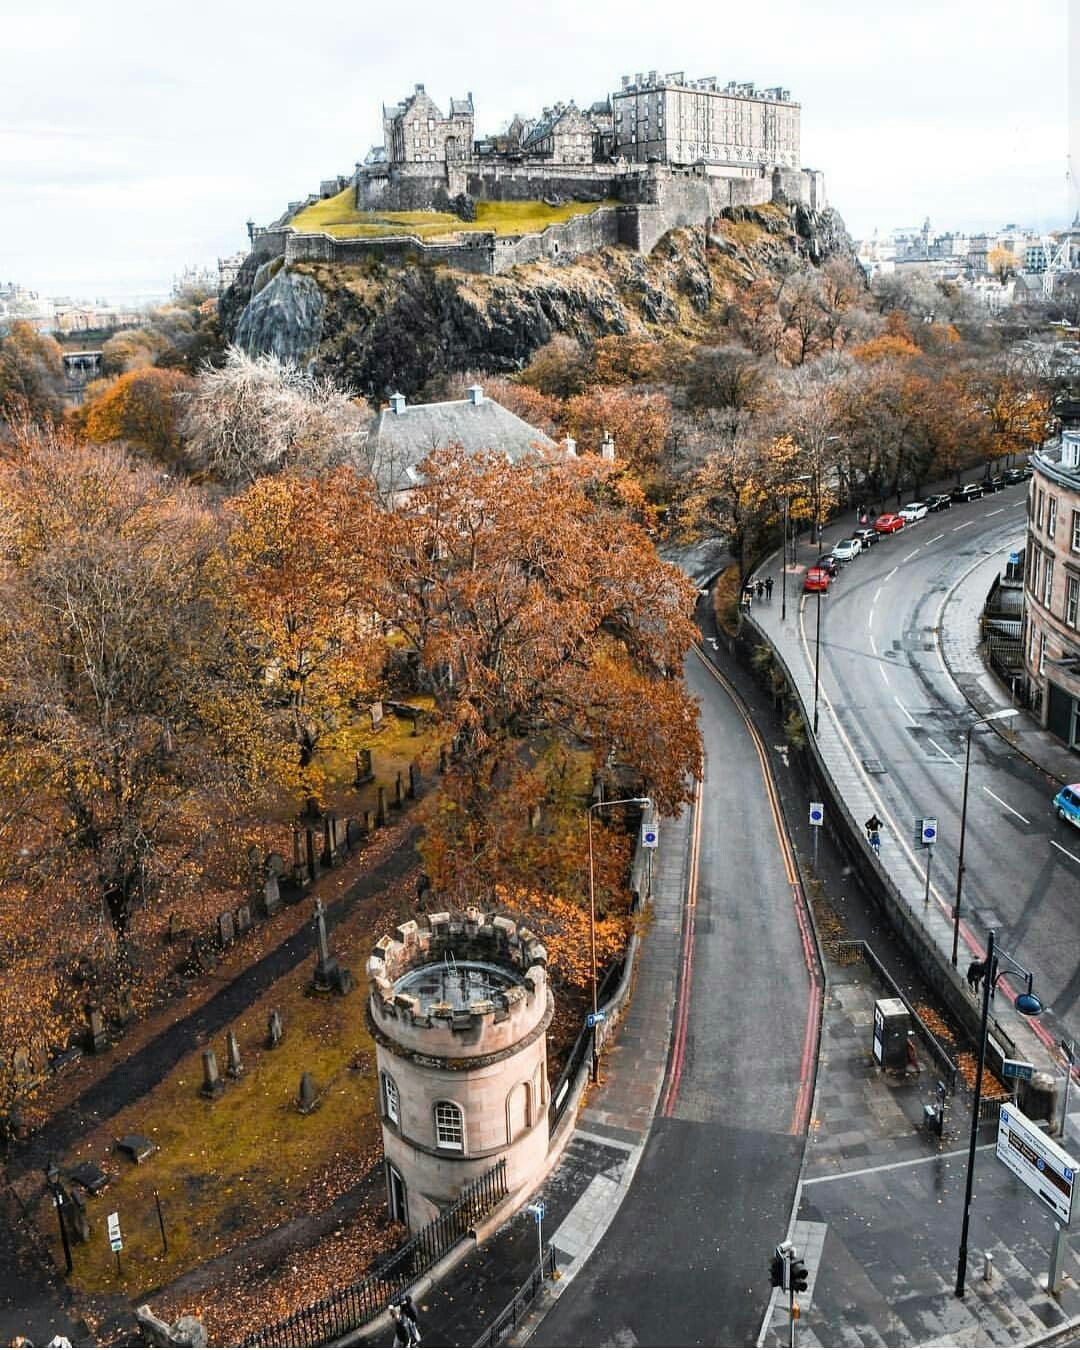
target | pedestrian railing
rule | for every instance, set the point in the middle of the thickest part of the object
(350, 1307)
(497, 1332)
(581, 1049)
(845, 951)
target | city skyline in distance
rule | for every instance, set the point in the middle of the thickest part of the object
(151, 142)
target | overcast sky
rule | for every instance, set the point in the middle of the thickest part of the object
(136, 138)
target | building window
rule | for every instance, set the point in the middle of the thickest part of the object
(1040, 503)
(391, 1105)
(1072, 600)
(1076, 532)
(1032, 635)
(1042, 654)
(1051, 517)
(1048, 580)
(449, 1126)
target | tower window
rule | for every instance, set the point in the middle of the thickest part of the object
(449, 1126)
(391, 1105)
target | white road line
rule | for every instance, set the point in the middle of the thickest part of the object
(1005, 805)
(884, 674)
(942, 751)
(870, 618)
(891, 575)
(911, 720)
(873, 645)
(892, 1167)
(998, 512)
(935, 539)
(1065, 851)
(909, 556)
(964, 526)
(877, 595)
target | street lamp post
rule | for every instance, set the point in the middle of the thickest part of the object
(802, 478)
(52, 1176)
(1030, 1006)
(644, 802)
(1000, 716)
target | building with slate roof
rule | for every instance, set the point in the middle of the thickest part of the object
(403, 435)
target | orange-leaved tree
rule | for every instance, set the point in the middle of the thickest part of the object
(140, 409)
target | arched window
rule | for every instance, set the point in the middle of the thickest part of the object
(449, 1126)
(518, 1111)
(391, 1105)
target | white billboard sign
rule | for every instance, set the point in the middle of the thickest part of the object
(1040, 1164)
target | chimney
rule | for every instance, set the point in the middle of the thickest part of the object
(571, 447)
(607, 447)
(397, 402)
(419, 88)
(476, 395)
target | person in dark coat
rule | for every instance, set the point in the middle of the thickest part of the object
(976, 973)
(409, 1317)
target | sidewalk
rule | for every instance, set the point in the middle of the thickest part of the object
(597, 1168)
(881, 1202)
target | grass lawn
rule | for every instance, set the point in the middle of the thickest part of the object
(339, 217)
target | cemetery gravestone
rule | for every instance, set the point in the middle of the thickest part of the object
(364, 773)
(307, 1099)
(98, 1037)
(243, 919)
(212, 1087)
(275, 1030)
(353, 834)
(74, 1211)
(90, 1177)
(377, 716)
(137, 1147)
(271, 901)
(226, 928)
(236, 1067)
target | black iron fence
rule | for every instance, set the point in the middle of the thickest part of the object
(350, 1307)
(581, 1048)
(945, 1066)
(515, 1310)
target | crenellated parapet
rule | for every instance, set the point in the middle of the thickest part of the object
(451, 986)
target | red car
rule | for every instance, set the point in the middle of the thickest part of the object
(816, 579)
(888, 524)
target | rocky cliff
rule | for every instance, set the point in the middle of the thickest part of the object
(382, 329)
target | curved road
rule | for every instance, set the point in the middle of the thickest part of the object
(685, 1261)
(884, 676)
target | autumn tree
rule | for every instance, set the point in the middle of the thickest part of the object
(258, 415)
(544, 624)
(31, 371)
(726, 377)
(140, 409)
(1002, 263)
(639, 424)
(559, 369)
(626, 358)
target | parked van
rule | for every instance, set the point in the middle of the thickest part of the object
(1067, 803)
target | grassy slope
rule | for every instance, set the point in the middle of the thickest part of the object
(338, 216)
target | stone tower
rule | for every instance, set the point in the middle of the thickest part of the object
(459, 1011)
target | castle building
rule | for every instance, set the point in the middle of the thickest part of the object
(671, 120)
(459, 1008)
(416, 132)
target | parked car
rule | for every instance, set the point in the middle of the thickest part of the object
(993, 483)
(866, 535)
(828, 563)
(846, 549)
(970, 492)
(816, 579)
(914, 511)
(889, 524)
(1067, 802)
(940, 501)
(1017, 475)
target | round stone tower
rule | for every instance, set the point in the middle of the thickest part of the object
(459, 1007)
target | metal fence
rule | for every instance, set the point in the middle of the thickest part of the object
(350, 1307)
(945, 1067)
(582, 1047)
(515, 1310)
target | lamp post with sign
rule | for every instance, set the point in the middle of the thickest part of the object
(817, 819)
(52, 1176)
(1030, 1006)
(926, 833)
(644, 803)
(536, 1209)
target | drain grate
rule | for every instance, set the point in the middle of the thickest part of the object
(873, 766)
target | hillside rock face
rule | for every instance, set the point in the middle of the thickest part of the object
(380, 329)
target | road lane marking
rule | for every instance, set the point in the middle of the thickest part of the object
(877, 597)
(911, 720)
(1061, 849)
(935, 539)
(891, 575)
(964, 526)
(892, 1167)
(884, 674)
(870, 618)
(994, 513)
(942, 751)
(909, 556)
(1005, 805)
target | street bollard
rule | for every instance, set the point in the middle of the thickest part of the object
(988, 1266)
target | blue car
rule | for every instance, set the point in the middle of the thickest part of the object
(1067, 803)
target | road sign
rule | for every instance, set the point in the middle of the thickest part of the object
(115, 1240)
(1040, 1164)
(650, 834)
(1016, 1068)
(928, 831)
(594, 1019)
(817, 813)
(537, 1210)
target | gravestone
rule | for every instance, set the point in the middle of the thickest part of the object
(327, 856)
(414, 779)
(255, 868)
(236, 1066)
(377, 715)
(212, 1087)
(364, 773)
(275, 1031)
(312, 813)
(137, 1147)
(354, 834)
(226, 930)
(125, 1009)
(74, 1211)
(308, 1098)
(380, 809)
(271, 896)
(275, 865)
(329, 977)
(369, 822)
(243, 919)
(98, 1036)
(399, 795)
(90, 1177)
(300, 873)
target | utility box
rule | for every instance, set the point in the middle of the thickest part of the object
(892, 1023)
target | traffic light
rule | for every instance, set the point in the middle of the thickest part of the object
(798, 1275)
(776, 1269)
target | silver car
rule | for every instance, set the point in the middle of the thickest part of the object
(846, 549)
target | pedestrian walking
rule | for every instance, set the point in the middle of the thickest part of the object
(412, 1322)
(873, 832)
(397, 1321)
(976, 973)
(759, 589)
(768, 588)
(748, 598)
